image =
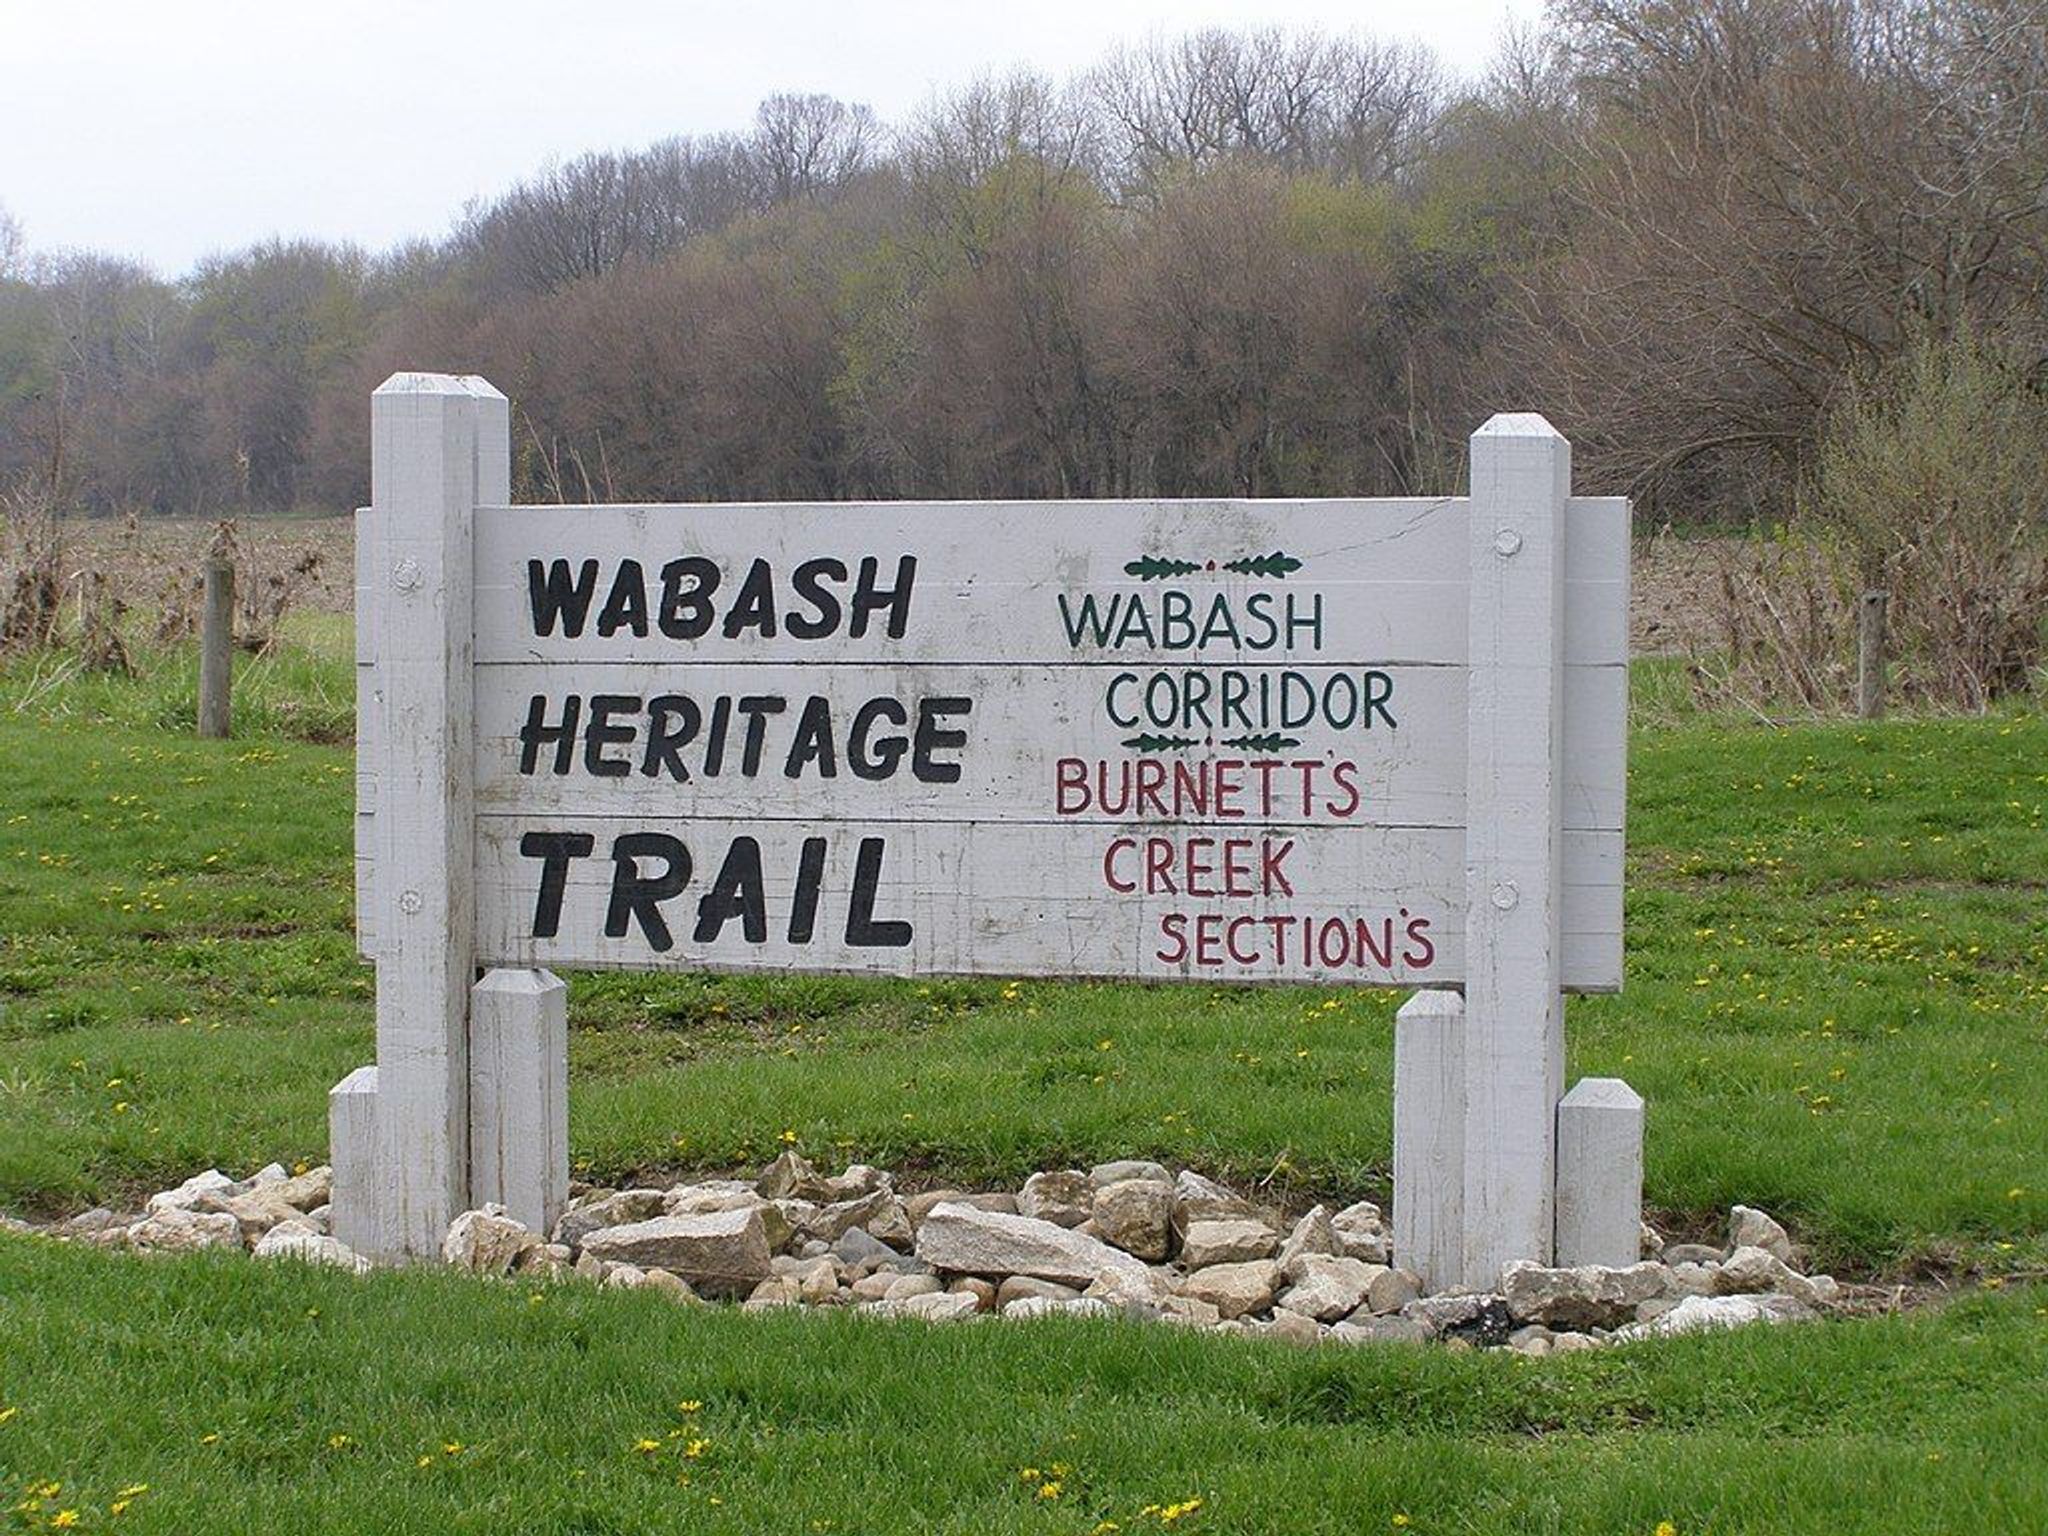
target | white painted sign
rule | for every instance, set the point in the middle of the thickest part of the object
(1219, 739)
(1365, 742)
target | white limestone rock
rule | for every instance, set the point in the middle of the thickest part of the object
(1327, 1287)
(297, 1240)
(486, 1241)
(1233, 1240)
(962, 1240)
(1235, 1290)
(1581, 1296)
(615, 1209)
(1315, 1233)
(1135, 1215)
(1704, 1314)
(719, 1252)
(1751, 1228)
(188, 1194)
(178, 1229)
(1391, 1290)
(1065, 1197)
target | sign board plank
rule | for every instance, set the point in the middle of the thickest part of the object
(589, 736)
(990, 579)
(1363, 906)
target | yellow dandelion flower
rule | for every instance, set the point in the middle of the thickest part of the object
(1180, 1511)
(340, 1442)
(210, 1439)
(64, 1519)
(1401, 1522)
(452, 1448)
(646, 1447)
(1666, 1528)
(1049, 1490)
(7, 1413)
(688, 1405)
(424, 1461)
(696, 1448)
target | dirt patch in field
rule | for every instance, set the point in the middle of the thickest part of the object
(142, 559)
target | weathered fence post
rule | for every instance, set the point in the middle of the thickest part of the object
(1870, 657)
(1514, 1009)
(519, 1094)
(1429, 1137)
(440, 446)
(1600, 1173)
(217, 650)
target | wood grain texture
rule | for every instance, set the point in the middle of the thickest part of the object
(439, 446)
(355, 1203)
(1514, 841)
(997, 898)
(519, 1094)
(1429, 1137)
(1600, 1173)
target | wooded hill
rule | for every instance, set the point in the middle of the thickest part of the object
(1261, 264)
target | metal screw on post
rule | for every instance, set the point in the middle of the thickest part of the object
(217, 650)
(1870, 658)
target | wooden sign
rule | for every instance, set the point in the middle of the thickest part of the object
(1222, 740)
(1361, 742)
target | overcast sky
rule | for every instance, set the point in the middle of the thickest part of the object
(167, 129)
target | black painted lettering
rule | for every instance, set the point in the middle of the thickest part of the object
(869, 599)
(810, 581)
(672, 722)
(737, 892)
(637, 897)
(604, 732)
(537, 733)
(558, 598)
(932, 737)
(554, 850)
(863, 930)
(626, 607)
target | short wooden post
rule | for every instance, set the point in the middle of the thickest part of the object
(519, 1094)
(1514, 1010)
(1429, 1137)
(439, 447)
(1600, 1173)
(217, 650)
(1870, 657)
(352, 1150)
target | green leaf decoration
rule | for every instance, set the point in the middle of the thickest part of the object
(1275, 564)
(1158, 567)
(1270, 741)
(1148, 742)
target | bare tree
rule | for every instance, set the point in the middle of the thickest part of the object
(13, 245)
(811, 145)
(1301, 100)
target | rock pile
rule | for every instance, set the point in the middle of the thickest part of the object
(1127, 1238)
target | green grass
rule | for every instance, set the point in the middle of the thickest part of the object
(232, 1381)
(1837, 1004)
(1838, 976)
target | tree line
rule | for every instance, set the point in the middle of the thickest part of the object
(1262, 263)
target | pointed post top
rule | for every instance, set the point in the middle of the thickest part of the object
(467, 385)
(1518, 424)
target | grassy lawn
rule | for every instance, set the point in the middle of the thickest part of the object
(428, 1402)
(1837, 1005)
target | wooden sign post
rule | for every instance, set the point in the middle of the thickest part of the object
(1339, 742)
